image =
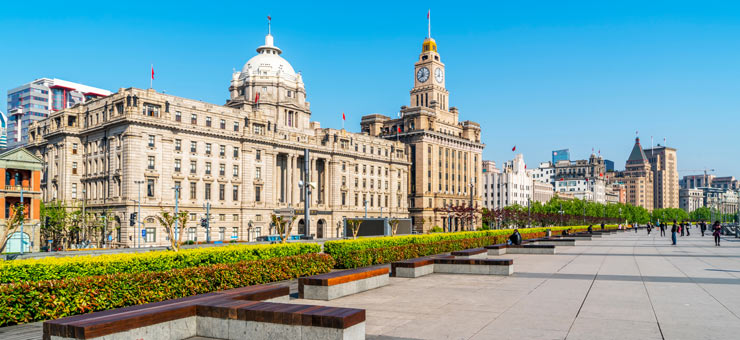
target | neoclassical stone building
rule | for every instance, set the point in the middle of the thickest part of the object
(446, 166)
(245, 158)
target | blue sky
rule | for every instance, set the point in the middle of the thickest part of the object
(541, 75)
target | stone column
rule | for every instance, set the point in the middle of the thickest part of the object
(313, 177)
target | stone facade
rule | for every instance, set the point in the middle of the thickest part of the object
(663, 161)
(638, 178)
(509, 186)
(21, 172)
(691, 199)
(445, 152)
(245, 158)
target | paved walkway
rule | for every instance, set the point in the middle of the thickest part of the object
(623, 286)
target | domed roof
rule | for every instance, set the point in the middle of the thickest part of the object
(268, 62)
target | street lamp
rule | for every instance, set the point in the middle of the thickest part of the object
(177, 199)
(138, 215)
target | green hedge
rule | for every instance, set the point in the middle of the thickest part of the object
(355, 253)
(52, 299)
(51, 268)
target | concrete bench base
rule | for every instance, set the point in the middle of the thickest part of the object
(530, 250)
(237, 330)
(326, 293)
(473, 269)
(414, 272)
(557, 242)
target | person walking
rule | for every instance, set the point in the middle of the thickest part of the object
(716, 227)
(649, 228)
(688, 227)
(674, 232)
(680, 228)
(703, 227)
(635, 227)
(662, 229)
(591, 229)
(602, 225)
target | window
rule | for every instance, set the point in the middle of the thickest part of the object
(193, 147)
(257, 173)
(236, 152)
(208, 190)
(193, 191)
(258, 155)
(236, 171)
(191, 231)
(208, 168)
(223, 124)
(222, 233)
(150, 235)
(222, 169)
(259, 129)
(150, 187)
(208, 149)
(344, 198)
(150, 162)
(257, 194)
(74, 191)
(74, 148)
(235, 194)
(194, 119)
(151, 110)
(222, 150)
(221, 192)
(74, 168)
(235, 230)
(236, 126)
(193, 167)
(178, 144)
(151, 141)
(177, 165)
(208, 121)
(178, 116)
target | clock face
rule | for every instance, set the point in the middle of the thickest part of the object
(422, 75)
(438, 75)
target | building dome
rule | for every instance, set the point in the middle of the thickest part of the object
(429, 45)
(268, 62)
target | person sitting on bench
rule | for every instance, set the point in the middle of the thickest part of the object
(515, 238)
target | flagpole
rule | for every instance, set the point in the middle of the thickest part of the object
(151, 78)
(429, 23)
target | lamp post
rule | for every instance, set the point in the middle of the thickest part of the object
(177, 199)
(23, 217)
(472, 185)
(138, 215)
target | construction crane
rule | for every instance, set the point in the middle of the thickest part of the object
(705, 170)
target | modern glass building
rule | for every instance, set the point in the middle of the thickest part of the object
(560, 155)
(33, 101)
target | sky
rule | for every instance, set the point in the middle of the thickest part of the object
(541, 75)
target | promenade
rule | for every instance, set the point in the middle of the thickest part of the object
(620, 286)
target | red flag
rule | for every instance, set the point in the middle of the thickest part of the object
(429, 11)
(399, 129)
(269, 18)
(257, 97)
(514, 148)
(152, 72)
(343, 117)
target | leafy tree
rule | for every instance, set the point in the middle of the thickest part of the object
(394, 226)
(283, 226)
(168, 220)
(354, 224)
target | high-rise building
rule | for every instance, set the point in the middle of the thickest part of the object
(560, 155)
(609, 165)
(34, 101)
(508, 186)
(663, 162)
(445, 152)
(3, 130)
(638, 178)
(245, 158)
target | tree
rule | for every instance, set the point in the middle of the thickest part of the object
(394, 226)
(354, 224)
(283, 225)
(16, 216)
(168, 220)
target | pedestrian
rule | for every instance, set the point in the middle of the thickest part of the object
(602, 226)
(649, 228)
(716, 227)
(662, 229)
(681, 228)
(590, 229)
(703, 227)
(674, 231)
(688, 227)
(635, 227)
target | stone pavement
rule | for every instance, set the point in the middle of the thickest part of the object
(623, 286)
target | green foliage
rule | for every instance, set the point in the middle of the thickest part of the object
(50, 268)
(436, 229)
(667, 215)
(50, 299)
(701, 214)
(346, 251)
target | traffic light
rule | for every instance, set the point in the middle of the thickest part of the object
(204, 222)
(132, 219)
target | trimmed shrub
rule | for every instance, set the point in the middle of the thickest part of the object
(346, 252)
(52, 299)
(51, 268)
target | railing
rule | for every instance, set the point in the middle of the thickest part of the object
(17, 188)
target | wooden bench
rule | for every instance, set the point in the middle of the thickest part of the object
(231, 314)
(501, 249)
(413, 267)
(334, 285)
(474, 252)
(453, 265)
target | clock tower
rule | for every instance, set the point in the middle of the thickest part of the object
(429, 79)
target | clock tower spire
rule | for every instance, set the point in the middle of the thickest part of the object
(429, 78)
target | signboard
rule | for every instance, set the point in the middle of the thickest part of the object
(288, 212)
(234, 237)
(143, 232)
(110, 237)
